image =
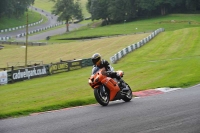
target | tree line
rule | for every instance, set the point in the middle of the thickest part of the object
(111, 11)
(16, 8)
(67, 10)
(120, 10)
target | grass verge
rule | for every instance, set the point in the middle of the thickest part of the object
(169, 23)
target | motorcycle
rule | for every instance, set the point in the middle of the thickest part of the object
(107, 89)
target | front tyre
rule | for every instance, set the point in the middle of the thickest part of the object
(102, 99)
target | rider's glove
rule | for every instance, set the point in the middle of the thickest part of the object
(109, 73)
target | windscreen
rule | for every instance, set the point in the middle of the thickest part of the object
(95, 69)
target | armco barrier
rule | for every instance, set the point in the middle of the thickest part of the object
(26, 73)
(44, 70)
(58, 67)
(132, 47)
(75, 64)
(65, 66)
(9, 76)
(41, 29)
(23, 43)
(87, 62)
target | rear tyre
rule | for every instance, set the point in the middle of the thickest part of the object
(129, 95)
(102, 99)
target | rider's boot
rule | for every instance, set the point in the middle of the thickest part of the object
(122, 85)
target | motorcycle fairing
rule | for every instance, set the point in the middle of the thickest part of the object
(112, 85)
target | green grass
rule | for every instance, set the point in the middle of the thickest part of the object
(169, 22)
(39, 97)
(169, 60)
(44, 4)
(13, 22)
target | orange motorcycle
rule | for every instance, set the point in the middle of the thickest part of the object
(107, 89)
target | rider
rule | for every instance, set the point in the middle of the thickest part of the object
(98, 62)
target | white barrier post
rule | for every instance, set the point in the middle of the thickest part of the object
(3, 77)
(138, 44)
(119, 55)
(112, 59)
(124, 51)
(130, 48)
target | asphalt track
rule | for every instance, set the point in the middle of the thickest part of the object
(172, 112)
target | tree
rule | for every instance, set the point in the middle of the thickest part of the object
(15, 8)
(157, 7)
(67, 10)
(145, 7)
(122, 10)
(3, 5)
(112, 10)
(98, 9)
(164, 5)
(192, 5)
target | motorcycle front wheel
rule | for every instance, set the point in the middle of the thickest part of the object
(102, 99)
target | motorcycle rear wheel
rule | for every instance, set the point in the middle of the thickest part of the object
(129, 95)
(101, 99)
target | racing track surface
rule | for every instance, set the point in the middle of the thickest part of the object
(172, 112)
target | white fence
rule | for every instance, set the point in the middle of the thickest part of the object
(16, 28)
(24, 43)
(30, 32)
(20, 27)
(39, 30)
(5, 38)
(134, 46)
